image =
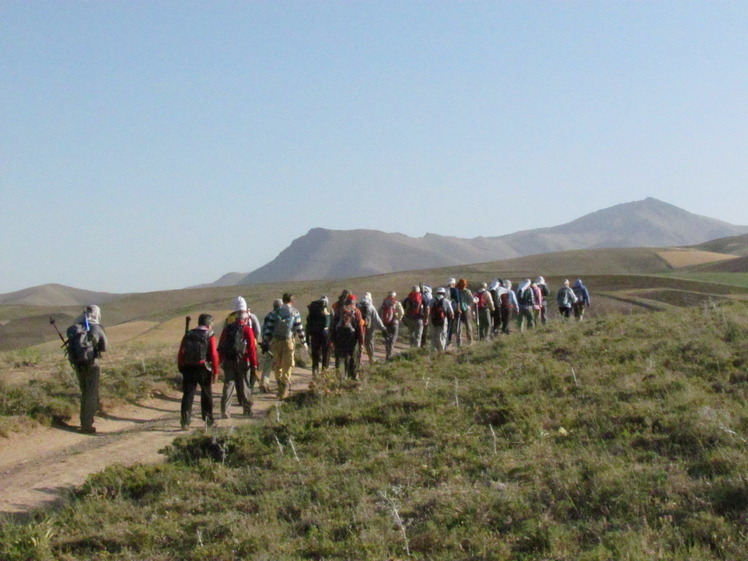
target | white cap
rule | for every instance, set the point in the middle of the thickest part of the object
(240, 305)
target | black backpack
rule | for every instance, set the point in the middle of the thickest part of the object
(81, 344)
(319, 315)
(195, 350)
(233, 344)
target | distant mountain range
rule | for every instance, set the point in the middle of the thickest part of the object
(337, 254)
(340, 254)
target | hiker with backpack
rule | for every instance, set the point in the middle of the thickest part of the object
(237, 351)
(565, 300)
(413, 319)
(463, 313)
(426, 302)
(485, 308)
(544, 292)
(372, 324)
(266, 363)
(281, 331)
(455, 298)
(348, 337)
(583, 299)
(440, 316)
(526, 299)
(508, 305)
(493, 290)
(86, 340)
(391, 311)
(239, 305)
(198, 361)
(318, 322)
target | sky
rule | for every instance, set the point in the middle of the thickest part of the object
(155, 145)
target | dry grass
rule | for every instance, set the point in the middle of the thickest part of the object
(678, 258)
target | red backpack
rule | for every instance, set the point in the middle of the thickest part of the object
(413, 304)
(438, 315)
(389, 307)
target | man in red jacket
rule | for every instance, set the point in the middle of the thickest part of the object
(198, 362)
(237, 350)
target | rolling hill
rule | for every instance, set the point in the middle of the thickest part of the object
(55, 295)
(337, 254)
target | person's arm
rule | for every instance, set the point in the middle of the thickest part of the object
(299, 328)
(213, 356)
(250, 353)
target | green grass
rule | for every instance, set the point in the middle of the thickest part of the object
(618, 438)
(735, 279)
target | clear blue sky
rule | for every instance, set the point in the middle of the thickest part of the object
(149, 145)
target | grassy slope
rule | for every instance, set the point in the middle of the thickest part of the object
(619, 438)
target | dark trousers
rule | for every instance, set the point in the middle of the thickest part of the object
(191, 378)
(88, 381)
(506, 316)
(319, 340)
(349, 352)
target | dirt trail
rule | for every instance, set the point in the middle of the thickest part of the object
(38, 467)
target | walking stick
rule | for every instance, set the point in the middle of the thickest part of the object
(54, 324)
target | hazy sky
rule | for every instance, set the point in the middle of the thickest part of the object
(148, 145)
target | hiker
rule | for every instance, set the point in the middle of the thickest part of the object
(485, 308)
(464, 313)
(441, 315)
(86, 340)
(493, 290)
(237, 351)
(318, 337)
(565, 300)
(198, 361)
(455, 298)
(508, 305)
(413, 306)
(538, 305)
(283, 325)
(239, 305)
(544, 293)
(372, 323)
(526, 299)
(391, 312)
(267, 356)
(348, 337)
(427, 299)
(583, 299)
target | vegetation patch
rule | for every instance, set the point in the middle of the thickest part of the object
(624, 437)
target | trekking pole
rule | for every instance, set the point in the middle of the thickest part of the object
(187, 324)
(54, 324)
(65, 344)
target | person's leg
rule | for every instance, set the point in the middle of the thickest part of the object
(189, 384)
(88, 379)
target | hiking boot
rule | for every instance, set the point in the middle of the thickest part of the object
(225, 415)
(184, 427)
(247, 412)
(88, 430)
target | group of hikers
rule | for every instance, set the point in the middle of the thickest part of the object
(248, 351)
